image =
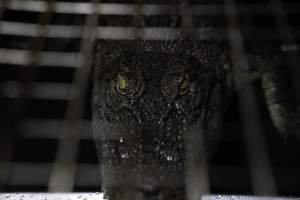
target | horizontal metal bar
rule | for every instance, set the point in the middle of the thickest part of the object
(22, 173)
(56, 59)
(32, 30)
(148, 9)
(128, 33)
(239, 197)
(99, 196)
(103, 32)
(39, 90)
(52, 196)
(50, 128)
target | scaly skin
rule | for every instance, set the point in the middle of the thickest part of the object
(140, 130)
(148, 96)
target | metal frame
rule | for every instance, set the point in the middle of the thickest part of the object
(262, 180)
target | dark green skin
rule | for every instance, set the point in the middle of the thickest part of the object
(141, 132)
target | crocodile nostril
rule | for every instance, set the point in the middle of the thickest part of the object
(150, 190)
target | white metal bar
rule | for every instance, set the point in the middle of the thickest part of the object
(261, 175)
(289, 39)
(56, 59)
(149, 9)
(240, 197)
(40, 90)
(124, 33)
(99, 196)
(63, 174)
(52, 196)
(197, 181)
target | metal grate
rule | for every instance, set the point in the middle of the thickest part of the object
(45, 62)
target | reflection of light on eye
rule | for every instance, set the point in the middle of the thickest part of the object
(121, 83)
(184, 86)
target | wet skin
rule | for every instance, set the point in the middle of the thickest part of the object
(147, 97)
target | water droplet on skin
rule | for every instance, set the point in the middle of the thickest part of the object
(45, 198)
(84, 198)
(7, 195)
(121, 140)
(125, 155)
(79, 196)
(169, 158)
(31, 195)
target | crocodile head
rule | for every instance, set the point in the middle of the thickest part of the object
(149, 97)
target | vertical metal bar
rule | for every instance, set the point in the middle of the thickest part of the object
(2, 9)
(6, 145)
(196, 180)
(139, 20)
(25, 76)
(187, 26)
(262, 179)
(288, 39)
(196, 169)
(63, 173)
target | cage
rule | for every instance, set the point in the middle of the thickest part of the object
(47, 54)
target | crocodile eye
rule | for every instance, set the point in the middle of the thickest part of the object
(129, 84)
(121, 83)
(184, 86)
(175, 85)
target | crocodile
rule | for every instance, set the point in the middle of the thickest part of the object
(150, 96)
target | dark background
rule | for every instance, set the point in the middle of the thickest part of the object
(33, 101)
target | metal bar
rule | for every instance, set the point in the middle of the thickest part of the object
(55, 59)
(139, 20)
(25, 76)
(3, 7)
(127, 33)
(261, 174)
(52, 196)
(288, 39)
(149, 9)
(49, 129)
(99, 196)
(105, 32)
(24, 174)
(240, 197)
(63, 174)
(40, 90)
(196, 168)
